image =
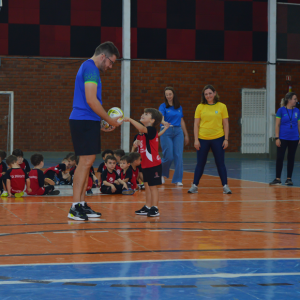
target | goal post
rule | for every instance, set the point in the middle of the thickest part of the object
(10, 123)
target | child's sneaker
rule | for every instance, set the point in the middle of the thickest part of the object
(143, 211)
(55, 192)
(226, 189)
(89, 192)
(128, 192)
(141, 186)
(4, 194)
(89, 212)
(275, 182)
(77, 213)
(153, 212)
(19, 195)
(193, 189)
(289, 182)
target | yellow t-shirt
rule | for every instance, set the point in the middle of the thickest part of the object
(211, 120)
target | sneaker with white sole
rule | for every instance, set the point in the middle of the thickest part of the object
(128, 192)
(179, 184)
(19, 195)
(143, 211)
(89, 212)
(226, 189)
(77, 213)
(153, 212)
(193, 189)
(275, 182)
(4, 194)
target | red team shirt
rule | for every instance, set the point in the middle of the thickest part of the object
(118, 169)
(37, 179)
(135, 174)
(17, 179)
(149, 148)
(109, 177)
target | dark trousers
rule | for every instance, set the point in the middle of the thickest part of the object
(48, 189)
(219, 155)
(292, 148)
(107, 189)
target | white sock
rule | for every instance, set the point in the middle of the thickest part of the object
(82, 202)
(73, 205)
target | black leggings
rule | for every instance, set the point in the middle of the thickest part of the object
(107, 189)
(292, 148)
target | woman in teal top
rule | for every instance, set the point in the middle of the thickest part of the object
(175, 137)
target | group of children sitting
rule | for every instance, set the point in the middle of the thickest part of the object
(119, 173)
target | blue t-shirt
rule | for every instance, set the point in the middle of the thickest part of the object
(288, 117)
(171, 115)
(88, 72)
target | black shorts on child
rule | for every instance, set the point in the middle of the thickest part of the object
(152, 175)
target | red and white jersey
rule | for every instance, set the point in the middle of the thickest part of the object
(118, 169)
(17, 178)
(109, 177)
(149, 148)
(37, 179)
(135, 174)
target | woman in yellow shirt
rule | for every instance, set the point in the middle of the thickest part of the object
(211, 130)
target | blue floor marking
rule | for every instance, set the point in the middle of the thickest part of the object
(154, 290)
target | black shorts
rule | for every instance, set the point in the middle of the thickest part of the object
(152, 175)
(85, 137)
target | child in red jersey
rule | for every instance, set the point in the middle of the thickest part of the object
(110, 180)
(102, 166)
(118, 154)
(56, 171)
(127, 176)
(21, 160)
(37, 178)
(3, 168)
(151, 161)
(15, 178)
(135, 165)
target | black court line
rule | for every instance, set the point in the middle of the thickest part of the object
(79, 284)
(152, 251)
(229, 285)
(5, 278)
(178, 286)
(156, 228)
(128, 285)
(274, 284)
(148, 222)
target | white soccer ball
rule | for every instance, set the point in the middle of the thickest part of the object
(113, 113)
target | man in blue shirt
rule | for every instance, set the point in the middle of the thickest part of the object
(85, 123)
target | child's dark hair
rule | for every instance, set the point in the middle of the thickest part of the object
(36, 159)
(107, 151)
(155, 114)
(17, 153)
(72, 157)
(11, 159)
(69, 155)
(119, 152)
(126, 158)
(133, 156)
(110, 157)
(2, 154)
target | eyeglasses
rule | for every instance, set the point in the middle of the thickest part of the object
(109, 60)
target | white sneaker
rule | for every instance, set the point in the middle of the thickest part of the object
(226, 189)
(193, 189)
(179, 184)
(162, 179)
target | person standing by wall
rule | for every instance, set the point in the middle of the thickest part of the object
(175, 137)
(211, 130)
(287, 132)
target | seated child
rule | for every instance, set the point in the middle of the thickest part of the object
(102, 166)
(15, 179)
(126, 175)
(3, 168)
(110, 180)
(151, 161)
(135, 162)
(118, 154)
(56, 171)
(21, 161)
(37, 178)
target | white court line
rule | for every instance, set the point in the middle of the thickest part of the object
(250, 229)
(129, 231)
(153, 230)
(180, 201)
(218, 275)
(145, 261)
(191, 230)
(35, 233)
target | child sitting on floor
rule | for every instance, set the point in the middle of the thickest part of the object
(37, 178)
(3, 168)
(21, 160)
(15, 179)
(126, 175)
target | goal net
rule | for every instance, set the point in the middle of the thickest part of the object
(7, 121)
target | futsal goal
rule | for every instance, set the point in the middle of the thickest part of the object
(7, 121)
